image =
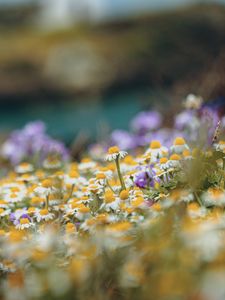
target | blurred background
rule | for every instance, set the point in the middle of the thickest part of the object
(88, 66)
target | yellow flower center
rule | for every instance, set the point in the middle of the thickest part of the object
(215, 192)
(100, 176)
(102, 218)
(47, 183)
(179, 141)
(39, 173)
(70, 228)
(14, 189)
(31, 210)
(43, 212)
(193, 206)
(109, 197)
(137, 201)
(14, 195)
(84, 209)
(175, 157)
(73, 174)
(111, 167)
(121, 226)
(163, 160)
(155, 145)
(186, 153)
(85, 160)
(24, 221)
(124, 194)
(24, 165)
(157, 207)
(25, 176)
(1, 210)
(59, 173)
(113, 150)
(129, 160)
(16, 236)
(36, 200)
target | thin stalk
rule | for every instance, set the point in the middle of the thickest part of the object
(47, 201)
(198, 199)
(123, 187)
(71, 192)
(108, 184)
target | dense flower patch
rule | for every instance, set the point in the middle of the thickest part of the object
(144, 226)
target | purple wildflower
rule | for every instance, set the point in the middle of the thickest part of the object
(123, 139)
(145, 177)
(146, 121)
(185, 119)
(32, 142)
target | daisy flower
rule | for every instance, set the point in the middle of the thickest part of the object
(174, 161)
(195, 211)
(179, 145)
(24, 168)
(3, 204)
(25, 223)
(54, 199)
(119, 228)
(108, 172)
(14, 197)
(45, 188)
(214, 196)
(111, 202)
(124, 195)
(163, 163)
(43, 215)
(114, 153)
(156, 150)
(138, 202)
(52, 163)
(220, 146)
(26, 177)
(17, 214)
(74, 178)
(37, 201)
(95, 187)
(4, 212)
(83, 212)
(187, 155)
(70, 228)
(87, 165)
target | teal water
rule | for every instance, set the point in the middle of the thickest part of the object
(66, 118)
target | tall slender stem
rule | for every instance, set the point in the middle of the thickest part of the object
(108, 184)
(198, 198)
(47, 201)
(123, 187)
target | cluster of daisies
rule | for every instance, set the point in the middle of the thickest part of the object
(121, 227)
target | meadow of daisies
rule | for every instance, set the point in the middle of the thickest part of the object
(140, 216)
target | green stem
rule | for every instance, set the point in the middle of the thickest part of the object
(123, 187)
(47, 201)
(71, 192)
(108, 184)
(198, 199)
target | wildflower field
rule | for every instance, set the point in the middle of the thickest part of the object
(140, 216)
